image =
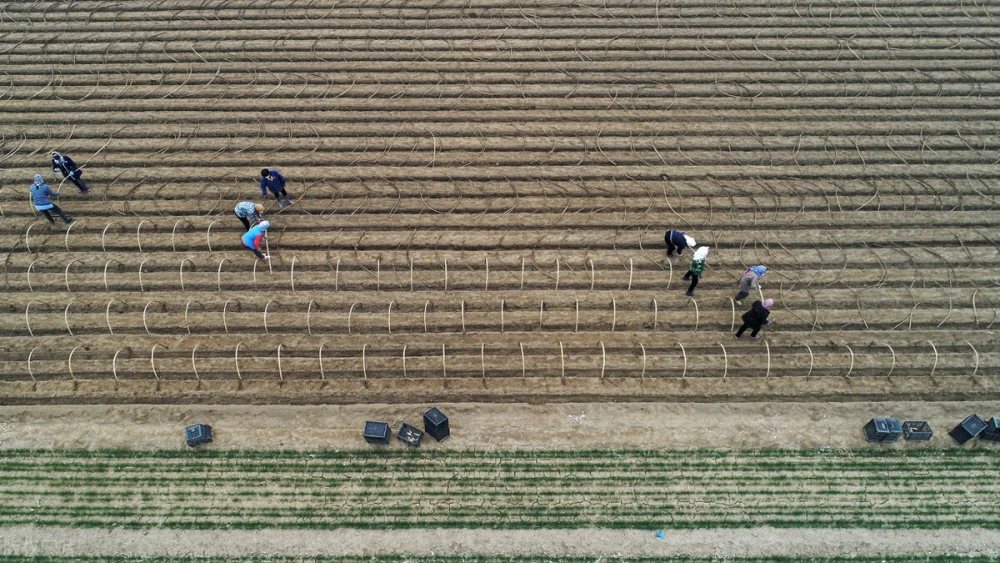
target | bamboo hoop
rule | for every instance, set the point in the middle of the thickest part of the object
(851, 367)
(444, 362)
(68, 231)
(593, 273)
(30, 372)
(732, 304)
(893, 366)
(614, 314)
(404, 360)
(294, 258)
(656, 314)
(187, 323)
(562, 360)
(725, 357)
(27, 234)
(267, 248)
(336, 278)
(557, 274)
(308, 314)
(66, 274)
(768, 348)
(266, 307)
(670, 277)
(66, 316)
(70, 362)
(208, 234)
(630, 270)
(152, 361)
(255, 263)
(933, 347)
(194, 366)
(541, 309)
(428, 303)
(322, 374)
(225, 309)
(463, 316)
(604, 358)
(142, 288)
(26, 321)
(138, 238)
(144, 309)
(236, 355)
(107, 289)
(184, 261)
(364, 362)
(812, 359)
(107, 313)
(104, 233)
(114, 364)
(349, 313)
(218, 275)
(281, 375)
(389, 316)
(643, 376)
(684, 353)
(173, 233)
(975, 312)
(697, 315)
(523, 370)
(976, 352)
(28, 273)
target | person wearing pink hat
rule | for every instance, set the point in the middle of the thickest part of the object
(756, 318)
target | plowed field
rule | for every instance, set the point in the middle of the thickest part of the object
(482, 191)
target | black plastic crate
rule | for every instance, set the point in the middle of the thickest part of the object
(410, 435)
(377, 433)
(198, 434)
(883, 430)
(968, 429)
(992, 431)
(917, 430)
(436, 424)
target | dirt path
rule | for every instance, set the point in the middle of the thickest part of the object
(480, 426)
(720, 543)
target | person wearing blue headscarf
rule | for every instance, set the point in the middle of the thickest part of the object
(749, 281)
(41, 197)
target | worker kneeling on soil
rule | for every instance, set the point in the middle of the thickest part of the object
(748, 282)
(254, 238)
(247, 211)
(756, 318)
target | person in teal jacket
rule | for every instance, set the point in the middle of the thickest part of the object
(696, 269)
(254, 238)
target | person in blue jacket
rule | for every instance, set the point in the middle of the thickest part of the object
(65, 166)
(254, 238)
(274, 181)
(40, 196)
(676, 240)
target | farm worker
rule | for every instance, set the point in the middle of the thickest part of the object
(254, 238)
(697, 267)
(749, 281)
(40, 194)
(678, 241)
(274, 181)
(65, 165)
(756, 317)
(247, 211)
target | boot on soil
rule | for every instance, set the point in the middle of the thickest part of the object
(756, 337)
(689, 293)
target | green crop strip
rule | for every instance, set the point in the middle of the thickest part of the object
(500, 490)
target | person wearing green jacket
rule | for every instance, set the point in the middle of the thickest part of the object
(696, 269)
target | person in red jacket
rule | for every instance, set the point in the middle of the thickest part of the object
(254, 238)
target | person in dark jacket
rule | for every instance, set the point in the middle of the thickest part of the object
(748, 282)
(254, 238)
(756, 317)
(65, 166)
(274, 181)
(41, 195)
(677, 241)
